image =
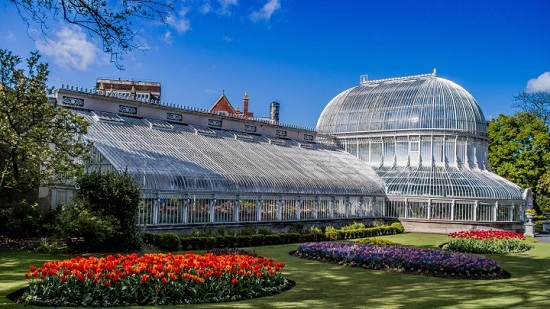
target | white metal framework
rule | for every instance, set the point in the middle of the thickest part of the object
(427, 138)
(190, 174)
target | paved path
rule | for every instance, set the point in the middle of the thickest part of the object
(543, 237)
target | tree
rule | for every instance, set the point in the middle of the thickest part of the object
(110, 202)
(537, 103)
(519, 148)
(38, 141)
(111, 21)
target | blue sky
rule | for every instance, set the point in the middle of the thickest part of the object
(303, 53)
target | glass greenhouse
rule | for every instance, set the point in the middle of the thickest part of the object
(192, 174)
(427, 139)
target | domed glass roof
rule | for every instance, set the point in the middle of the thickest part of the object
(414, 103)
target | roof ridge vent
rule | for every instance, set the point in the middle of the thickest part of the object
(365, 80)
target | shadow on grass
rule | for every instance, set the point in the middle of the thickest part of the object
(320, 285)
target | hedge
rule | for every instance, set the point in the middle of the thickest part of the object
(255, 240)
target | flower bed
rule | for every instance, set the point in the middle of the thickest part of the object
(404, 259)
(487, 241)
(153, 279)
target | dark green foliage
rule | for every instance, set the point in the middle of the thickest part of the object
(297, 227)
(110, 203)
(272, 239)
(151, 238)
(264, 231)
(519, 148)
(33, 131)
(248, 231)
(21, 220)
(83, 230)
(194, 242)
(169, 242)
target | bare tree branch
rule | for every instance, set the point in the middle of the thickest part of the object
(537, 103)
(110, 21)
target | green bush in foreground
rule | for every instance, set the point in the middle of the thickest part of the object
(375, 241)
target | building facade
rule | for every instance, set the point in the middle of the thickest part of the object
(412, 148)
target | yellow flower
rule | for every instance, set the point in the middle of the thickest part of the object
(531, 211)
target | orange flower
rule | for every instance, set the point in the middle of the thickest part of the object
(144, 278)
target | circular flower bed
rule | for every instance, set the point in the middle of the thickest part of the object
(153, 279)
(487, 241)
(404, 259)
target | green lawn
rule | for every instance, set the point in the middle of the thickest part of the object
(321, 285)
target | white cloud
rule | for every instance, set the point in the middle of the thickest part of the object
(227, 38)
(71, 49)
(266, 11)
(168, 38)
(541, 83)
(180, 22)
(205, 8)
(11, 37)
(226, 6)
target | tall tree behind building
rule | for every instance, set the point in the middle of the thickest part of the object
(519, 150)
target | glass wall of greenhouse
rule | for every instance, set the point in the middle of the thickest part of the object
(190, 174)
(426, 137)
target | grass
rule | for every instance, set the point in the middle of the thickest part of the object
(321, 285)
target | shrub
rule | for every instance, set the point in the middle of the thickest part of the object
(315, 230)
(353, 226)
(264, 231)
(272, 239)
(151, 238)
(375, 241)
(256, 240)
(169, 242)
(114, 198)
(398, 227)
(197, 242)
(247, 231)
(231, 240)
(331, 233)
(83, 230)
(21, 220)
(243, 240)
(297, 227)
(221, 231)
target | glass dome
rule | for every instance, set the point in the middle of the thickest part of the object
(414, 103)
(425, 136)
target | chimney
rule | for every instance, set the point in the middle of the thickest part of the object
(274, 112)
(245, 104)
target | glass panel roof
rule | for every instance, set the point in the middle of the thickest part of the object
(416, 103)
(169, 156)
(438, 181)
